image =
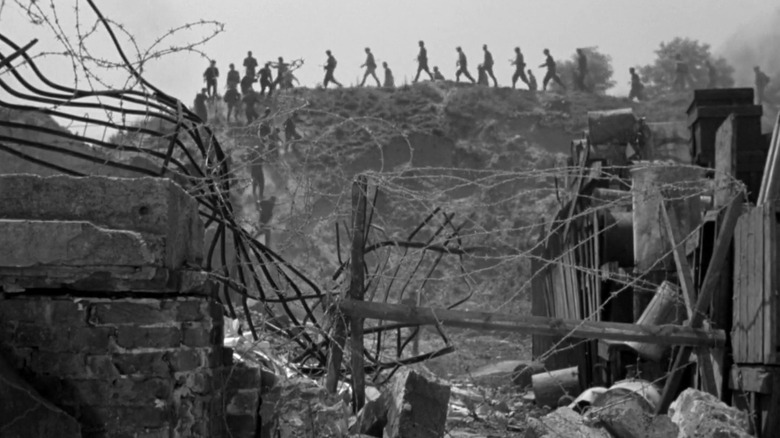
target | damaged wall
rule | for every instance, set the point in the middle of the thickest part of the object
(106, 314)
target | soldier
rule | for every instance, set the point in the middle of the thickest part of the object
(246, 84)
(265, 79)
(637, 88)
(281, 72)
(551, 71)
(482, 77)
(210, 76)
(437, 76)
(389, 80)
(519, 63)
(682, 75)
(487, 64)
(330, 67)
(462, 65)
(532, 85)
(231, 99)
(422, 62)
(582, 71)
(250, 63)
(290, 131)
(233, 78)
(762, 80)
(200, 105)
(370, 66)
(257, 173)
(250, 100)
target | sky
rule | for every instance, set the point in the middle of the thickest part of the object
(627, 30)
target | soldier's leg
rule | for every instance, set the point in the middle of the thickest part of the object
(419, 70)
(492, 76)
(457, 75)
(524, 78)
(546, 80)
(468, 75)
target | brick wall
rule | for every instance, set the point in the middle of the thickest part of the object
(122, 367)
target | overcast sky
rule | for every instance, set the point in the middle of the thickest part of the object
(627, 30)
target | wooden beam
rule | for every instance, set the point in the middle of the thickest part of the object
(752, 379)
(357, 289)
(769, 180)
(681, 262)
(719, 254)
(535, 325)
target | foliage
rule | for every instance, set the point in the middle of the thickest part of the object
(599, 78)
(660, 75)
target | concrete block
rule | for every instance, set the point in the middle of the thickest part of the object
(418, 405)
(24, 413)
(30, 243)
(155, 206)
(699, 414)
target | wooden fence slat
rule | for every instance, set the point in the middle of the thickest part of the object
(757, 291)
(770, 285)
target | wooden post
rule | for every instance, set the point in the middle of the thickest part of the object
(711, 279)
(357, 289)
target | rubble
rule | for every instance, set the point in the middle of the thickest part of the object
(699, 415)
(417, 405)
(563, 422)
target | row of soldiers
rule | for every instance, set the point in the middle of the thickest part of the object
(285, 78)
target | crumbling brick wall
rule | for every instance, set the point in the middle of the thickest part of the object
(105, 313)
(121, 367)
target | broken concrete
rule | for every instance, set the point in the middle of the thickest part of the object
(699, 415)
(154, 206)
(417, 406)
(26, 414)
(630, 418)
(563, 422)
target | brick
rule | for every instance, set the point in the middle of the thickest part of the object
(91, 339)
(123, 391)
(41, 336)
(101, 367)
(67, 312)
(190, 310)
(196, 382)
(241, 426)
(196, 335)
(152, 364)
(130, 337)
(188, 360)
(132, 312)
(22, 309)
(114, 420)
(59, 364)
(244, 402)
(243, 376)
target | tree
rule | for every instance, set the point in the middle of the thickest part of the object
(599, 78)
(659, 76)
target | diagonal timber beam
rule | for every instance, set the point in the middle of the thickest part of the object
(535, 325)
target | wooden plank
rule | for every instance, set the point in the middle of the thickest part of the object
(684, 272)
(664, 335)
(725, 160)
(755, 318)
(719, 255)
(772, 413)
(770, 339)
(740, 261)
(751, 379)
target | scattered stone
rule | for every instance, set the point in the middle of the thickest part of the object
(372, 419)
(25, 414)
(629, 418)
(417, 405)
(699, 415)
(563, 422)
